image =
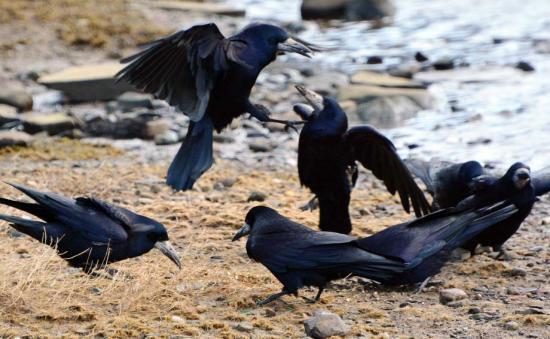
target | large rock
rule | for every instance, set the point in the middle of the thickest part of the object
(14, 138)
(16, 96)
(143, 125)
(88, 82)
(385, 106)
(200, 7)
(324, 324)
(131, 100)
(468, 75)
(8, 115)
(327, 83)
(53, 124)
(347, 9)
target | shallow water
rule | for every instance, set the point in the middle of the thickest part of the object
(512, 113)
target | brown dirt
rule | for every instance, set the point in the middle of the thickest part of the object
(218, 285)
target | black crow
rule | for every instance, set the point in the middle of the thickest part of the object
(448, 183)
(327, 156)
(298, 256)
(209, 78)
(469, 183)
(87, 232)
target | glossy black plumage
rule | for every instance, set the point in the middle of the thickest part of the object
(476, 189)
(87, 232)
(407, 253)
(328, 152)
(209, 78)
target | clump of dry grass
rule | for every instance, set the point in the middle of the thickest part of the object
(217, 288)
(95, 23)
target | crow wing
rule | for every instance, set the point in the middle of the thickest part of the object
(377, 153)
(92, 222)
(283, 252)
(183, 67)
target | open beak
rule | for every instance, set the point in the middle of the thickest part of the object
(293, 46)
(166, 248)
(314, 99)
(245, 230)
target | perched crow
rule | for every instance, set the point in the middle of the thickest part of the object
(408, 253)
(327, 155)
(209, 78)
(87, 232)
(468, 183)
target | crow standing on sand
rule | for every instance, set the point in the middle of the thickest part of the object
(467, 182)
(87, 232)
(327, 154)
(209, 78)
(298, 256)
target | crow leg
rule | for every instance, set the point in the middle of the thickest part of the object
(261, 113)
(502, 254)
(420, 288)
(271, 298)
(311, 205)
(317, 296)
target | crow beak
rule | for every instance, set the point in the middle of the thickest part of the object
(314, 99)
(166, 248)
(522, 178)
(245, 230)
(293, 46)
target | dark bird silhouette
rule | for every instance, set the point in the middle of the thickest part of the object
(448, 183)
(467, 185)
(327, 156)
(87, 232)
(298, 256)
(209, 78)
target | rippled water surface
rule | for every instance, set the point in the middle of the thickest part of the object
(498, 121)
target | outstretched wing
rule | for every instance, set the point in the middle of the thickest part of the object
(377, 153)
(183, 67)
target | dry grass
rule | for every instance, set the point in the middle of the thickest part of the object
(218, 285)
(95, 23)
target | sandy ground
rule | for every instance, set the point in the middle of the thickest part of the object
(215, 292)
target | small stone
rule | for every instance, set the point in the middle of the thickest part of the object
(228, 182)
(223, 138)
(477, 316)
(405, 304)
(12, 233)
(269, 312)
(167, 138)
(14, 138)
(52, 123)
(95, 290)
(525, 66)
(443, 64)
(455, 304)
(460, 254)
(518, 272)
(418, 56)
(452, 294)
(8, 114)
(244, 327)
(260, 146)
(153, 128)
(16, 96)
(511, 326)
(130, 100)
(324, 324)
(257, 196)
(177, 319)
(373, 60)
(474, 310)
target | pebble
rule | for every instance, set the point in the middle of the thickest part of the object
(260, 146)
(525, 66)
(95, 290)
(511, 326)
(420, 57)
(130, 100)
(244, 327)
(443, 64)
(269, 313)
(474, 310)
(167, 138)
(324, 324)
(177, 319)
(518, 272)
(257, 196)
(452, 294)
(14, 138)
(223, 138)
(373, 60)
